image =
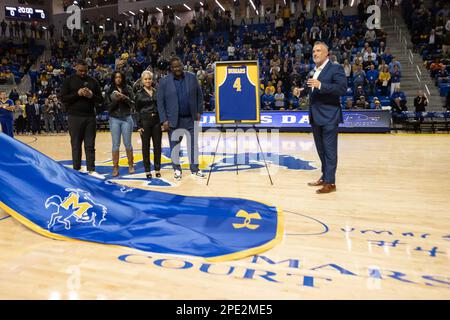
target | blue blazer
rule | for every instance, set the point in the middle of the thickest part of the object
(167, 98)
(325, 104)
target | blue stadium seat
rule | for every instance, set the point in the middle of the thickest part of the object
(444, 88)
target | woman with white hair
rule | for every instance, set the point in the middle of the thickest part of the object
(148, 123)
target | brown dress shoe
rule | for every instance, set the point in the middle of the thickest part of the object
(327, 188)
(316, 183)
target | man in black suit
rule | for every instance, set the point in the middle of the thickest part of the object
(325, 87)
(33, 113)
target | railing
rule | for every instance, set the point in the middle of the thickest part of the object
(411, 57)
(403, 40)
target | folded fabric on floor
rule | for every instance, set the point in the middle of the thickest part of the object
(61, 203)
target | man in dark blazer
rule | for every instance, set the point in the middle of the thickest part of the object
(33, 113)
(180, 105)
(325, 86)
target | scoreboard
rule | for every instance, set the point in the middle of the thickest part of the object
(25, 13)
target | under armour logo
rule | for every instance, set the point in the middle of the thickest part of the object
(248, 219)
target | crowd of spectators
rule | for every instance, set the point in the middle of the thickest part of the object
(15, 29)
(430, 35)
(283, 49)
(16, 59)
(131, 50)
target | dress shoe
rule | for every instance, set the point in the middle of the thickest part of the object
(316, 183)
(327, 188)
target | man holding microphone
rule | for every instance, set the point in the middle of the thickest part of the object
(325, 86)
(80, 93)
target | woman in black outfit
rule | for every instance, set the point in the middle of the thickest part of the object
(148, 123)
(420, 102)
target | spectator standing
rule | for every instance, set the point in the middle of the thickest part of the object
(372, 79)
(19, 119)
(49, 116)
(279, 99)
(420, 102)
(396, 76)
(33, 114)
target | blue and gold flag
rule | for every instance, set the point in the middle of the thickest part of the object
(64, 204)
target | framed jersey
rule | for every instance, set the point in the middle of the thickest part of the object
(237, 92)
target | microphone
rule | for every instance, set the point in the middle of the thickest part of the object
(310, 76)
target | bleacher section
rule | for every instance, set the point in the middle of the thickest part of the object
(16, 59)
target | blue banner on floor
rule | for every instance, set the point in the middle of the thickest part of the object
(64, 204)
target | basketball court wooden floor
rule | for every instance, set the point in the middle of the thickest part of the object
(384, 235)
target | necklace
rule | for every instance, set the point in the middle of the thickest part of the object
(149, 92)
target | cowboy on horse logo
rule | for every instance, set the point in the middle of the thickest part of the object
(78, 207)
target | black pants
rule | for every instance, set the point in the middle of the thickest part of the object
(82, 129)
(34, 124)
(59, 122)
(152, 130)
(20, 124)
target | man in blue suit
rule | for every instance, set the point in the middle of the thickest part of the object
(180, 105)
(325, 86)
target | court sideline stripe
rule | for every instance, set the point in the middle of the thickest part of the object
(4, 218)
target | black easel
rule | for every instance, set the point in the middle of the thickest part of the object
(237, 164)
